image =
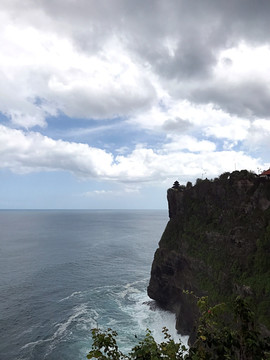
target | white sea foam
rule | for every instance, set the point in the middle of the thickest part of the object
(81, 315)
(34, 343)
(134, 302)
(131, 288)
(74, 294)
(62, 327)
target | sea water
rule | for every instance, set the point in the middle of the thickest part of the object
(63, 273)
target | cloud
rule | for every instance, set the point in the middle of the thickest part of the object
(241, 82)
(104, 86)
(176, 125)
(31, 152)
(43, 65)
(98, 192)
(178, 143)
(127, 189)
(258, 138)
(201, 121)
(99, 60)
(231, 128)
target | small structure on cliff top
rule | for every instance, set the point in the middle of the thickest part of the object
(176, 185)
(173, 195)
(265, 174)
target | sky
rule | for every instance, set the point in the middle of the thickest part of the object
(104, 104)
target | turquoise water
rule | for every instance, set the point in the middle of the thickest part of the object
(65, 272)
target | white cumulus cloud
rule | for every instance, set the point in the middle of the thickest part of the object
(25, 152)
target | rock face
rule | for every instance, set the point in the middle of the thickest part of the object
(216, 243)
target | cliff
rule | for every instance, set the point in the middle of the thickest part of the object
(216, 243)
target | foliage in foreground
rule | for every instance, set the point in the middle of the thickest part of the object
(221, 335)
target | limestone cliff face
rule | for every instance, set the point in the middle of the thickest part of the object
(216, 243)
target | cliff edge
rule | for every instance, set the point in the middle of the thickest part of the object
(216, 243)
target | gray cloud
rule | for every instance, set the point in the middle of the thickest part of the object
(177, 125)
(198, 31)
(249, 99)
(108, 102)
(179, 40)
(144, 25)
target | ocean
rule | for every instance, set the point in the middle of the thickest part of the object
(64, 272)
